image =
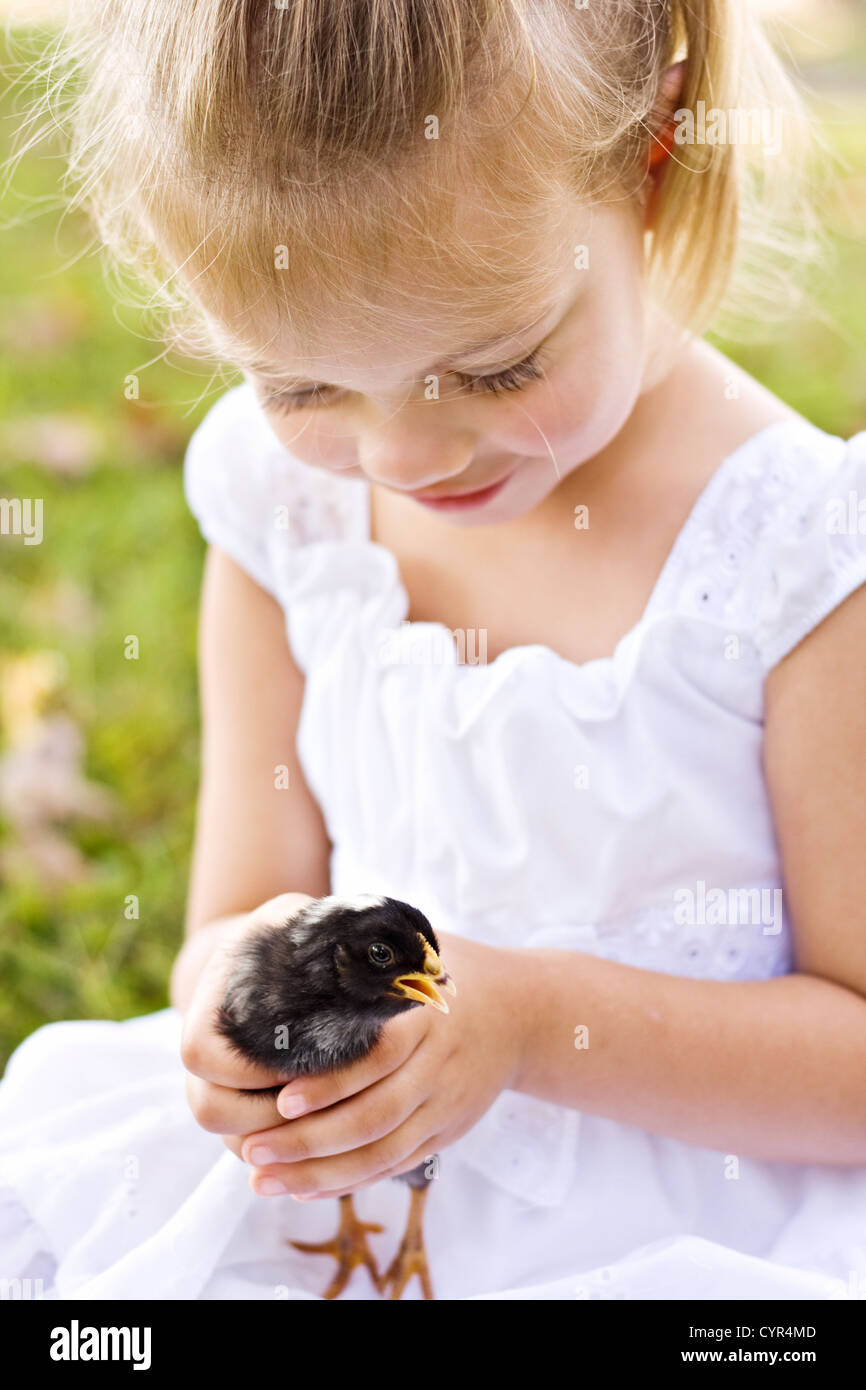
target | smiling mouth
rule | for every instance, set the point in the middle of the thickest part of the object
(467, 498)
(456, 496)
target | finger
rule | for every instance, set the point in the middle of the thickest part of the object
(204, 1051)
(395, 1046)
(319, 1176)
(423, 1157)
(207, 1055)
(225, 1110)
(351, 1124)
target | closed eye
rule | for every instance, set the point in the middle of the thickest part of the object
(514, 378)
(285, 401)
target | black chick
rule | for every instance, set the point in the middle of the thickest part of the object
(313, 995)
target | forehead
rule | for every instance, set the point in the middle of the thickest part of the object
(496, 276)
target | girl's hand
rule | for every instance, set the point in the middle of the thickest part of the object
(223, 1088)
(428, 1080)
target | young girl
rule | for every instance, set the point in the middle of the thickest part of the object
(524, 606)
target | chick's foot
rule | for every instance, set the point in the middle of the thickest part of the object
(411, 1258)
(349, 1248)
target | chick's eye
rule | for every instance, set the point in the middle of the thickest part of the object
(380, 954)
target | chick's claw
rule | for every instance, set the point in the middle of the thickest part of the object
(411, 1258)
(348, 1247)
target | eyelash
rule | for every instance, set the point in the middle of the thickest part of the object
(514, 378)
(286, 401)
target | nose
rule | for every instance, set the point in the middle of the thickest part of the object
(414, 449)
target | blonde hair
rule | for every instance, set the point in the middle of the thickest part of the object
(250, 159)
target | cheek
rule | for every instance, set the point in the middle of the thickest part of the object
(592, 387)
(584, 405)
(598, 391)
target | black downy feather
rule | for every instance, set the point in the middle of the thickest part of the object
(313, 994)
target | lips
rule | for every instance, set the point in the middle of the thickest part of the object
(473, 497)
(455, 496)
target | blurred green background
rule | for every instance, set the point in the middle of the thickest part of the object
(98, 752)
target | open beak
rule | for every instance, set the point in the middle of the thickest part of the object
(424, 985)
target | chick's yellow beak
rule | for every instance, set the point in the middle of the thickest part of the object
(421, 985)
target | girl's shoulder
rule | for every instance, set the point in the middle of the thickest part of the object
(778, 539)
(248, 493)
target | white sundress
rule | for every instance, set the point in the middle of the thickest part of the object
(615, 807)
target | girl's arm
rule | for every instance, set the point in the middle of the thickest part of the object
(255, 838)
(258, 832)
(771, 1069)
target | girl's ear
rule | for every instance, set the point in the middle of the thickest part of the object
(662, 131)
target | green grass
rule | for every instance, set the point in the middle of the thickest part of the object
(817, 363)
(119, 538)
